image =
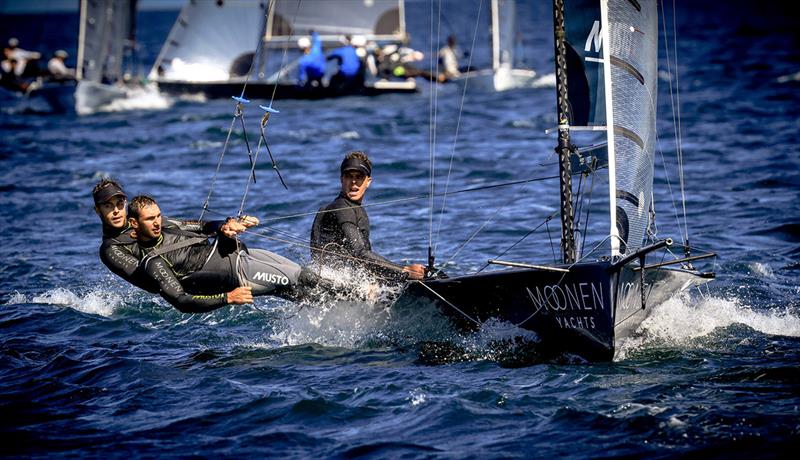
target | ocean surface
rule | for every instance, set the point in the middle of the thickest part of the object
(92, 367)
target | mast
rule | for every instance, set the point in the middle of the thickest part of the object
(568, 250)
(495, 35)
(81, 41)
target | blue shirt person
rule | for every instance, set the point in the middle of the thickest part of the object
(311, 66)
(350, 75)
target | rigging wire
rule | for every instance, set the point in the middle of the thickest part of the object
(416, 197)
(458, 125)
(433, 112)
(530, 232)
(673, 94)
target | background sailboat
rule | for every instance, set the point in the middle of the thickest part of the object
(106, 53)
(506, 72)
(606, 52)
(213, 48)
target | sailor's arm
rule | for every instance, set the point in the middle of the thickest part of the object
(124, 264)
(196, 226)
(354, 239)
(172, 291)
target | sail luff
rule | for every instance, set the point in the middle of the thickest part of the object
(609, 109)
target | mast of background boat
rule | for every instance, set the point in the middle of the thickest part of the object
(612, 165)
(267, 37)
(568, 249)
(81, 40)
(495, 35)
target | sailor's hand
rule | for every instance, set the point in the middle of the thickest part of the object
(241, 295)
(231, 228)
(415, 271)
(248, 221)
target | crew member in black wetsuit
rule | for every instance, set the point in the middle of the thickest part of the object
(340, 233)
(119, 251)
(183, 261)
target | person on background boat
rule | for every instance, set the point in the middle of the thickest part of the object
(340, 233)
(448, 56)
(201, 290)
(350, 74)
(57, 68)
(395, 61)
(23, 58)
(311, 66)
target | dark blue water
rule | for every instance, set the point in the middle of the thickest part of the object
(92, 367)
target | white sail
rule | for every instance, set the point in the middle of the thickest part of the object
(216, 41)
(379, 20)
(106, 41)
(630, 50)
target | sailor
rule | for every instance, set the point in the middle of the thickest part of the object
(350, 74)
(311, 66)
(397, 61)
(22, 57)
(58, 68)
(119, 251)
(340, 233)
(205, 262)
(448, 56)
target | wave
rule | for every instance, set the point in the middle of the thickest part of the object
(682, 320)
(96, 301)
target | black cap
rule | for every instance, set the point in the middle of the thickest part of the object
(355, 164)
(106, 193)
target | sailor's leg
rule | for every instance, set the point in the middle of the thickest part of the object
(268, 273)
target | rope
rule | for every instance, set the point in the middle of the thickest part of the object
(283, 58)
(450, 304)
(458, 125)
(673, 94)
(237, 112)
(546, 220)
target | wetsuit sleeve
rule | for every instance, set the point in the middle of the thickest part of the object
(354, 240)
(172, 290)
(125, 265)
(196, 226)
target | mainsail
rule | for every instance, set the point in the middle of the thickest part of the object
(217, 41)
(612, 51)
(107, 34)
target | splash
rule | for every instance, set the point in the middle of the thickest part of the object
(95, 302)
(682, 320)
(145, 98)
(355, 310)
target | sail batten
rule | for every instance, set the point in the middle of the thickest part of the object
(612, 83)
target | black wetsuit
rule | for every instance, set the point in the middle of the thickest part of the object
(342, 229)
(120, 253)
(196, 277)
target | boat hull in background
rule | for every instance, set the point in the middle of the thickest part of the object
(261, 90)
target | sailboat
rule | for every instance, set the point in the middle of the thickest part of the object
(505, 73)
(106, 42)
(214, 48)
(586, 305)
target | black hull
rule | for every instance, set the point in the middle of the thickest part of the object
(260, 90)
(586, 311)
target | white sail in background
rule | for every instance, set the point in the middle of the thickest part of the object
(379, 20)
(630, 51)
(106, 42)
(208, 38)
(215, 41)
